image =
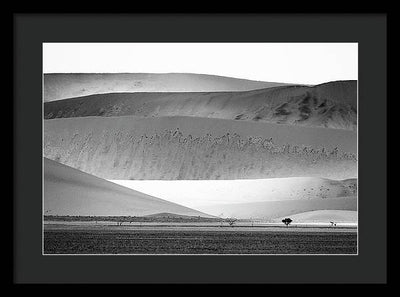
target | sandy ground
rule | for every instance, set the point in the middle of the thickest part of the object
(215, 240)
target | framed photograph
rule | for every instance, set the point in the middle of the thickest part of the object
(200, 155)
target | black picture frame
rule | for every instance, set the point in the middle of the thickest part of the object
(31, 30)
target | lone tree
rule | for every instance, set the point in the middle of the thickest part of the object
(287, 221)
(231, 221)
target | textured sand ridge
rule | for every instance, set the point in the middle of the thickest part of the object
(330, 105)
(68, 85)
(182, 148)
(68, 191)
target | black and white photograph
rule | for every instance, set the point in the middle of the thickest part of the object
(200, 148)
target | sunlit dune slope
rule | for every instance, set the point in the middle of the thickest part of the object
(68, 191)
(195, 193)
(325, 216)
(270, 210)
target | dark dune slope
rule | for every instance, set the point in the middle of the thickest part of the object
(68, 191)
(331, 105)
(181, 148)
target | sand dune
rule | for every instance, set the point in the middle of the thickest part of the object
(184, 148)
(325, 216)
(220, 145)
(68, 191)
(197, 193)
(331, 105)
(67, 85)
(270, 210)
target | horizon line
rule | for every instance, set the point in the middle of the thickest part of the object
(204, 74)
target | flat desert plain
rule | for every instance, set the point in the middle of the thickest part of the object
(194, 239)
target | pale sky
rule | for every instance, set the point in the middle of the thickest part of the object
(303, 63)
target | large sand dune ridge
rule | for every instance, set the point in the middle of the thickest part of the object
(180, 148)
(59, 86)
(331, 105)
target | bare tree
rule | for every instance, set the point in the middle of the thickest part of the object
(231, 221)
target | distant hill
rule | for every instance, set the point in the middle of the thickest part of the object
(169, 216)
(68, 191)
(68, 85)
